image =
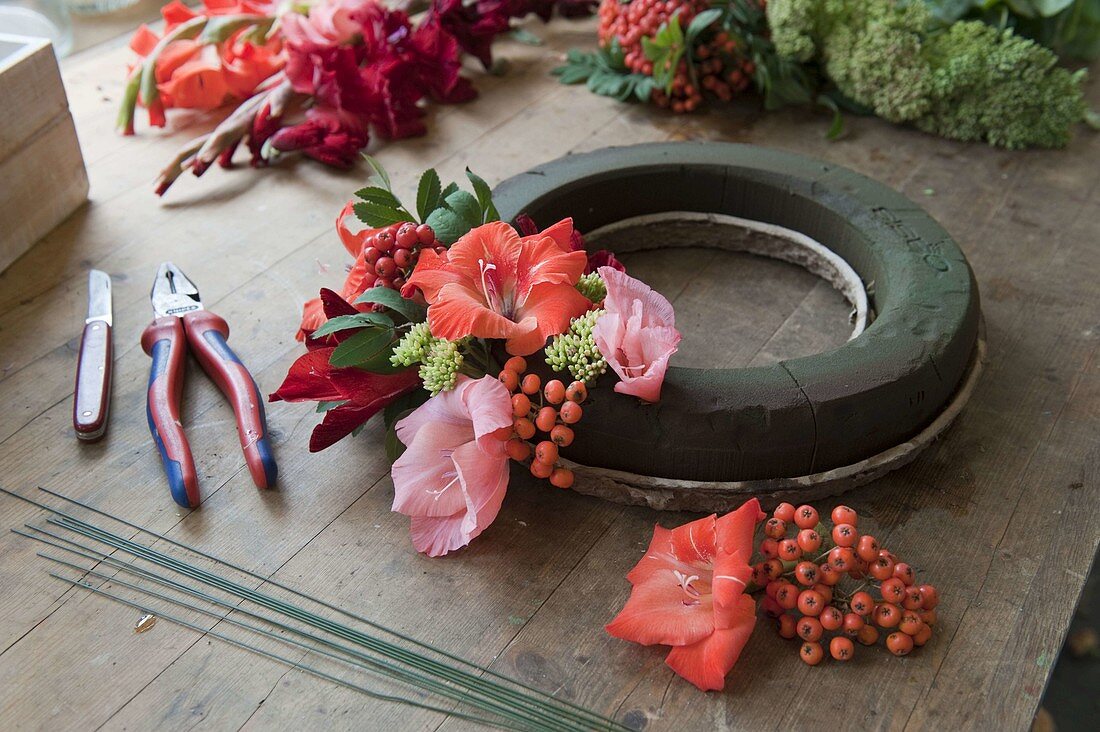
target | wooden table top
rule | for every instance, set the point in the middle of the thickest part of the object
(1001, 513)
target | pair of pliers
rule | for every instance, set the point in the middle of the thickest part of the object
(181, 322)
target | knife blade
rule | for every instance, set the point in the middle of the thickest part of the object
(91, 401)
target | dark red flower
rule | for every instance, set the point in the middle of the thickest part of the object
(313, 379)
(325, 135)
(472, 29)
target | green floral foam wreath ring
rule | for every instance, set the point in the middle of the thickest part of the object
(803, 427)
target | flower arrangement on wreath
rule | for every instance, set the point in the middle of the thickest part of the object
(441, 325)
(926, 64)
(317, 77)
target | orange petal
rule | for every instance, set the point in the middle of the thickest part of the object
(707, 662)
(656, 613)
(495, 243)
(144, 40)
(561, 233)
(526, 338)
(543, 262)
(459, 312)
(731, 578)
(695, 542)
(733, 532)
(352, 241)
(431, 274)
(553, 306)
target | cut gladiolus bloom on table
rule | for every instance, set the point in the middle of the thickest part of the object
(689, 593)
(637, 335)
(492, 283)
(452, 478)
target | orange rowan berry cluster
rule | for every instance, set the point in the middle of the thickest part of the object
(549, 409)
(801, 575)
(720, 64)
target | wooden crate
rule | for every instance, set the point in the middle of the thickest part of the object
(42, 175)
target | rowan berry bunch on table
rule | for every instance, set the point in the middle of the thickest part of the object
(548, 409)
(693, 63)
(827, 584)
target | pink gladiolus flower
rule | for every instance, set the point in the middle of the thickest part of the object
(689, 593)
(453, 475)
(637, 335)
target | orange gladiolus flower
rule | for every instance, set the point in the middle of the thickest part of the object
(689, 593)
(492, 283)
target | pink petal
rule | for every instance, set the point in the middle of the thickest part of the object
(484, 482)
(426, 481)
(707, 662)
(622, 290)
(489, 405)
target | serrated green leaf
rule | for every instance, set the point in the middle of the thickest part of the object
(392, 299)
(449, 189)
(447, 225)
(428, 193)
(378, 170)
(465, 205)
(363, 347)
(374, 194)
(484, 197)
(377, 215)
(347, 322)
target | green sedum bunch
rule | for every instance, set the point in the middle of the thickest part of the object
(966, 81)
(441, 366)
(592, 287)
(576, 350)
(440, 360)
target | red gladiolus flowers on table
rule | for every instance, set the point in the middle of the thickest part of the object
(689, 593)
(319, 78)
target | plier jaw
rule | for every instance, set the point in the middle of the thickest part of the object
(181, 325)
(173, 293)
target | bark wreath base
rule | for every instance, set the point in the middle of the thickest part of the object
(803, 427)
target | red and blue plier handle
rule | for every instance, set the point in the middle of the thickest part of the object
(166, 340)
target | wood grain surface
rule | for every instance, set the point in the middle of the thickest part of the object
(1001, 513)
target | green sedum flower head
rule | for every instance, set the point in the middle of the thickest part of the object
(576, 350)
(440, 367)
(414, 346)
(592, 287)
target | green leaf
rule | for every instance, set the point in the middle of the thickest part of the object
(374, 194)
(447, 225)
(377, 215)
(448, 190)
(347, 322)
(428, 193)
(219, 28)
(466, 206)
(323, 407)
(484, 197)
(525, 37)
(701, 22)
(363, 347)
(378, 170)
(394, 447)
(393, 300)
(1048, 8)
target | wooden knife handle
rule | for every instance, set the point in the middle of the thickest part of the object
(93, 382)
